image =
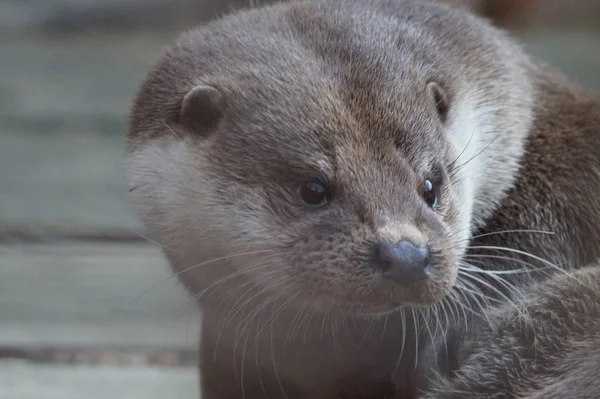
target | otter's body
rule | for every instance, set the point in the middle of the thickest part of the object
(548, 347)
(545, 345)
(320, 171)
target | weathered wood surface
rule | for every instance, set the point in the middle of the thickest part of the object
(26, 381)
(92, 294)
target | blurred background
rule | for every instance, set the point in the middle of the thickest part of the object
(87, 308)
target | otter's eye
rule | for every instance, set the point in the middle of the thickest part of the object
(314, 193)
(430, 194)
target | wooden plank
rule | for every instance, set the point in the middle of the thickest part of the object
(92, 294)
(29, 381)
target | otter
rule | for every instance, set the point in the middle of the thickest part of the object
(544, 345)
(337, 182)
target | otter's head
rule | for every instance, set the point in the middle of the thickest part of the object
(329, 151)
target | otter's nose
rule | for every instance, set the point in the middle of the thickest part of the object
(403, 263)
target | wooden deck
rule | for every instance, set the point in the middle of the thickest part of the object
(73, 294)
(88, 309)
(87, 319)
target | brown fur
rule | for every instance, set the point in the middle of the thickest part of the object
(338, 90)
(554, 194)
(545, 345)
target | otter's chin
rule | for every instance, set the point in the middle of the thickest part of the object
(385, 297)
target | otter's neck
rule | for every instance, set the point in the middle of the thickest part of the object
(558, 184)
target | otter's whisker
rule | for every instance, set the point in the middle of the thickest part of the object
(516, 251)
(427, 325)
(179, 273)
(271, 322)
(274, 363)
(511, 232)
(476, 298)
(416, 337)
(494, 272)
(451, 164)
(451, 303)
(272, 287)
(494, 289)
(403, 317)
(235, 274)
(249, 319)
(238, 273)
(533, 268)
(151, 241)
(307, 323)
(276, 312)
(490, 301)
(472, 288)
(170, 129)
(335, 326)
(511, 288)
(460, 307)
(383, 330)
(195, 298)
(434, 310)
(280, 310)
(243, 364)
(478, 153)
(446, 316)
(447, 325)
(257, 364)
(225, 322)
(454, 233)
(366, 334)
(469, 289)
(512, 259)
(221, 258)
(325, 319)
(214, 284)
(294, 326)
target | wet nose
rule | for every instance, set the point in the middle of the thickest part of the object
(403, 263)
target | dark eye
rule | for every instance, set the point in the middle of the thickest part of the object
(314, 193)
(430, 194)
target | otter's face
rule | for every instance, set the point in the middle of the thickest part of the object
(325, 175)
(329, 200)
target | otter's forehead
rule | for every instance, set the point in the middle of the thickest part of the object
(307, 72)
(365, 52)
(327, 74)
(306, 118)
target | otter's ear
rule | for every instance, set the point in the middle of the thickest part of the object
(440, 98)
(202, 109)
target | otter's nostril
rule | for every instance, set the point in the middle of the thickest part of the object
(403, 263)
